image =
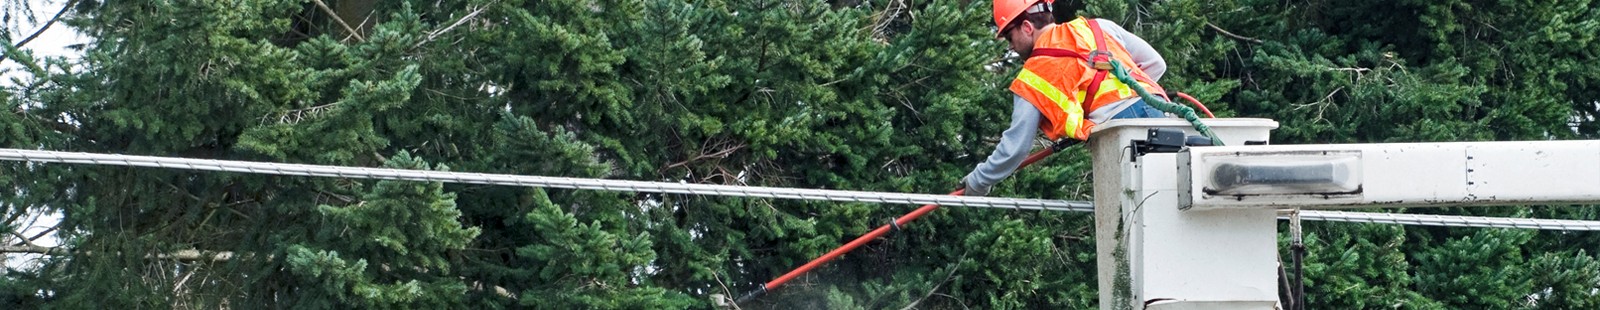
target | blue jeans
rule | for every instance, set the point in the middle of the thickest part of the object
(1139, 109)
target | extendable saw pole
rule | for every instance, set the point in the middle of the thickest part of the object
(885, 229)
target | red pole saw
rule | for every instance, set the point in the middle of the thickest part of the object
(902, 220)
(884, 230)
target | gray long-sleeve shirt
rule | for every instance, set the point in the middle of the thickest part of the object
(1015, 142)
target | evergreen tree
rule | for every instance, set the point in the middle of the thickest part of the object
(846, 94)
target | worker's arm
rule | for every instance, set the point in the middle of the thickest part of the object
(1146, 56)
(1013, 148)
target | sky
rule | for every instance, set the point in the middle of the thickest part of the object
(52, 43)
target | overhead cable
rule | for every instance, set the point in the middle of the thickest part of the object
(730, 190)
(1447, 220)
(537, 181)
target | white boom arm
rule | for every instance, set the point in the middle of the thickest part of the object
(1331, 176)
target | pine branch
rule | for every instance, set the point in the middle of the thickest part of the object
(32, 249)
(883, 20)
(23, 239)
(13, 218)
(295, 116)
(182, 255)
(47, 24)
(1231, 35)
(336, 18)
(463, 20)
(42, 233)
(197, 255)
(947, 278)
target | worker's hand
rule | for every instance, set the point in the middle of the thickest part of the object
(973, 191)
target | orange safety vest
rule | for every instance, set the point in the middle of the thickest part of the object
(1067, 60)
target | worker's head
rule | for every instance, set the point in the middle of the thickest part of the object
(1019, 21)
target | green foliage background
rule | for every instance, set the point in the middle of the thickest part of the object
(847, 94)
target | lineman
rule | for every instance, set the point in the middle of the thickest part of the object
(1052, 93)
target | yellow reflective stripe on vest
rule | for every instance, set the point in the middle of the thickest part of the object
(1113, 88)
(1080, 29)
(1074, 109)
(1038, 83)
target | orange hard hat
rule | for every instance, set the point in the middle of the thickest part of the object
(1007, 10)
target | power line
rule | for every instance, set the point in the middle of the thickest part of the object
(1447, 220)
(729, 190)
(537, 181)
